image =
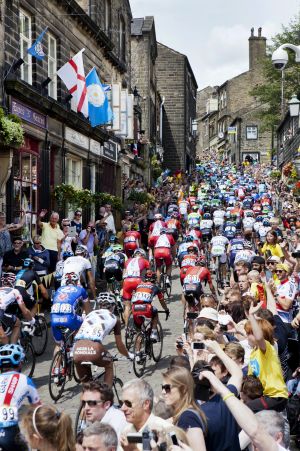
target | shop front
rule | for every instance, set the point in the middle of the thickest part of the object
(108, 182)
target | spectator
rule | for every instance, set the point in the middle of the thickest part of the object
(67, 242)
(286, 292)
(137, 396)
(100, 437)
(271, 246)
(244, 285)
(45, 428)
(51, 237)
(40, 255)
(89, 238)
(109, 219)
(13, 260)
(97, 399)
(102, 234)
(76, 221)
(5, 239)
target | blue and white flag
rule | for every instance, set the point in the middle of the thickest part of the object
(100, 112)
(36, 49)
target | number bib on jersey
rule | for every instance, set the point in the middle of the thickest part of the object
(8, 415)
(141, 296)
(62, 308)
(217, 250)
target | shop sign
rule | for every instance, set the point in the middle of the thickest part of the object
(27, 114)
(77, 138)
(95, 147)
(109, 150)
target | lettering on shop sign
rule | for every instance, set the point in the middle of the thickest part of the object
(95, 147)
(109, 150)
(77, 138)
(27, 114)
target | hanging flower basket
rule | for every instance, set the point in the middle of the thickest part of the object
(11, 130)
(83, 198)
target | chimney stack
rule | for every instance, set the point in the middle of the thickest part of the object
(257, 49)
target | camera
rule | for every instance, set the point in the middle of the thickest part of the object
(179, 344)
(296, 254)
(192, 315)
(202, 387)
(280, 58)
(144, 438)
(93, 229)
(197, 346)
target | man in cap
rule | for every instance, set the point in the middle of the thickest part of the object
(285, 294)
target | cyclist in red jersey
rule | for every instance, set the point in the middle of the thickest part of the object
(201, 273)
(163, 253)
(155, 228)
(132, 275)
(188, 261)
(132, 240)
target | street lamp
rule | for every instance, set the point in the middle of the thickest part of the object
(294, 106)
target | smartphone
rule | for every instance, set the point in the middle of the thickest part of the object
(134, 438)
(179, 344)
(196, 345)
(72, 231)
(174, 438)
(192, 315)
(235, 276)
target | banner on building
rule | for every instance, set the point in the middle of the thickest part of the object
(231, 130)
(130, 117)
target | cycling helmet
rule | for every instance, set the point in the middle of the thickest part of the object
(266, 222)
(189, 239)
(11, 355)
(28, 263)
(117, 248)
(195, 208)
(207, 216)
(157, 217)
(71, 278)
(106, 300)
(175, 215)
(249, 214)
(164, 230)
(150, 276)
(201, 261)
(247, 245)
(139, 251)
(192, 249)
(8, 279)
(113, 239)
(81, 249)
(67, 254)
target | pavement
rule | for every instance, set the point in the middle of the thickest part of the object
(123, 369)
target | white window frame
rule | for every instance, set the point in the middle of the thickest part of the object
(52, 60)
(25, 43)
(74, 172)
(251, 132)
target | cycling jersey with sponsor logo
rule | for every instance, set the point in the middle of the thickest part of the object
(97, 325)
(8, 296)
(145, 292)
(67, 298)
(134, 267)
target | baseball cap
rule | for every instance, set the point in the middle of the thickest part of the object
(209, 313)
(283, 267)
(274, 258)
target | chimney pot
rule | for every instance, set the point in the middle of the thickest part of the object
(259, 32)
(252, 31)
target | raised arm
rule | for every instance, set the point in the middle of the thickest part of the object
(257, 331)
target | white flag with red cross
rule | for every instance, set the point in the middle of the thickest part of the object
(72, 74)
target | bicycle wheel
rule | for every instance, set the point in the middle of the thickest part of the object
(74, 373)
(80, 421)
(40, 337)
(156, 348)
(139, 350)
(57, 382)
(28, 365)
(130, 332)
(117, 388)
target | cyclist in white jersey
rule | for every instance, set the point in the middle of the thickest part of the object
(80, 266)
(218, 247)
(89, 339)
(14, 388)
(218, 216)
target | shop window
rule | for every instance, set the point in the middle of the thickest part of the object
(25, 185)
(25, 43)
(52, 66)
(74, 172)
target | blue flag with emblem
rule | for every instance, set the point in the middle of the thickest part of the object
(100, 112)
(36, 49)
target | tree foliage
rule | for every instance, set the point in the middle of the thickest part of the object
(269, 93)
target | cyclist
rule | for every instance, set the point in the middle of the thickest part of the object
(188, 261)
(60, 268)
(246, 254)
(89, 339)
(134, 269)
(154, 232)
(218, 247)
(235, 245)
(163, 253)
(174, 225)
(192, 289)
(132, 239)
(10, 324)
(206, 226)
(65, 309)
(15, 387)
(183, 248)
(114, 263)
(194, 217)
(201, 271)
(80, 265)
(142, 302)
(24, 284)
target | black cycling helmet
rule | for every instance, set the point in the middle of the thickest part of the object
(28, 263)
(150, 276)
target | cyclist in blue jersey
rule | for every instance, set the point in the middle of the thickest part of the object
(235, 245)
(14, 388)
(66, 302)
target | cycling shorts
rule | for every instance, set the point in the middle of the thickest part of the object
(140, 309)
(162, 255)
(113, 273)
(72, 322)
(206, 236)
(192, 291)
(11, 439)
(182, 273)
(90, 351)
(7, 321)
(129, 286)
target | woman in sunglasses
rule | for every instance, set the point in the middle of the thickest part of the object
(178, 393)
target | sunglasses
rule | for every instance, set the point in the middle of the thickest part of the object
(271, 263)
(279, 271)
(92, 403)
(37, 242)
(126, 403)
(166, 387)
(77, 214)
(18, 242)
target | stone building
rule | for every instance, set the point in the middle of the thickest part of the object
(177, 84)
(207, 103)
(235, 128)
(143, 71)
(60, 145)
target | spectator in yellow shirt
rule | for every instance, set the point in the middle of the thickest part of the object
(271, 247)
(51, 236)
(264, 364)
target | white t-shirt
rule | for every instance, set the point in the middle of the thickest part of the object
(76, 264)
